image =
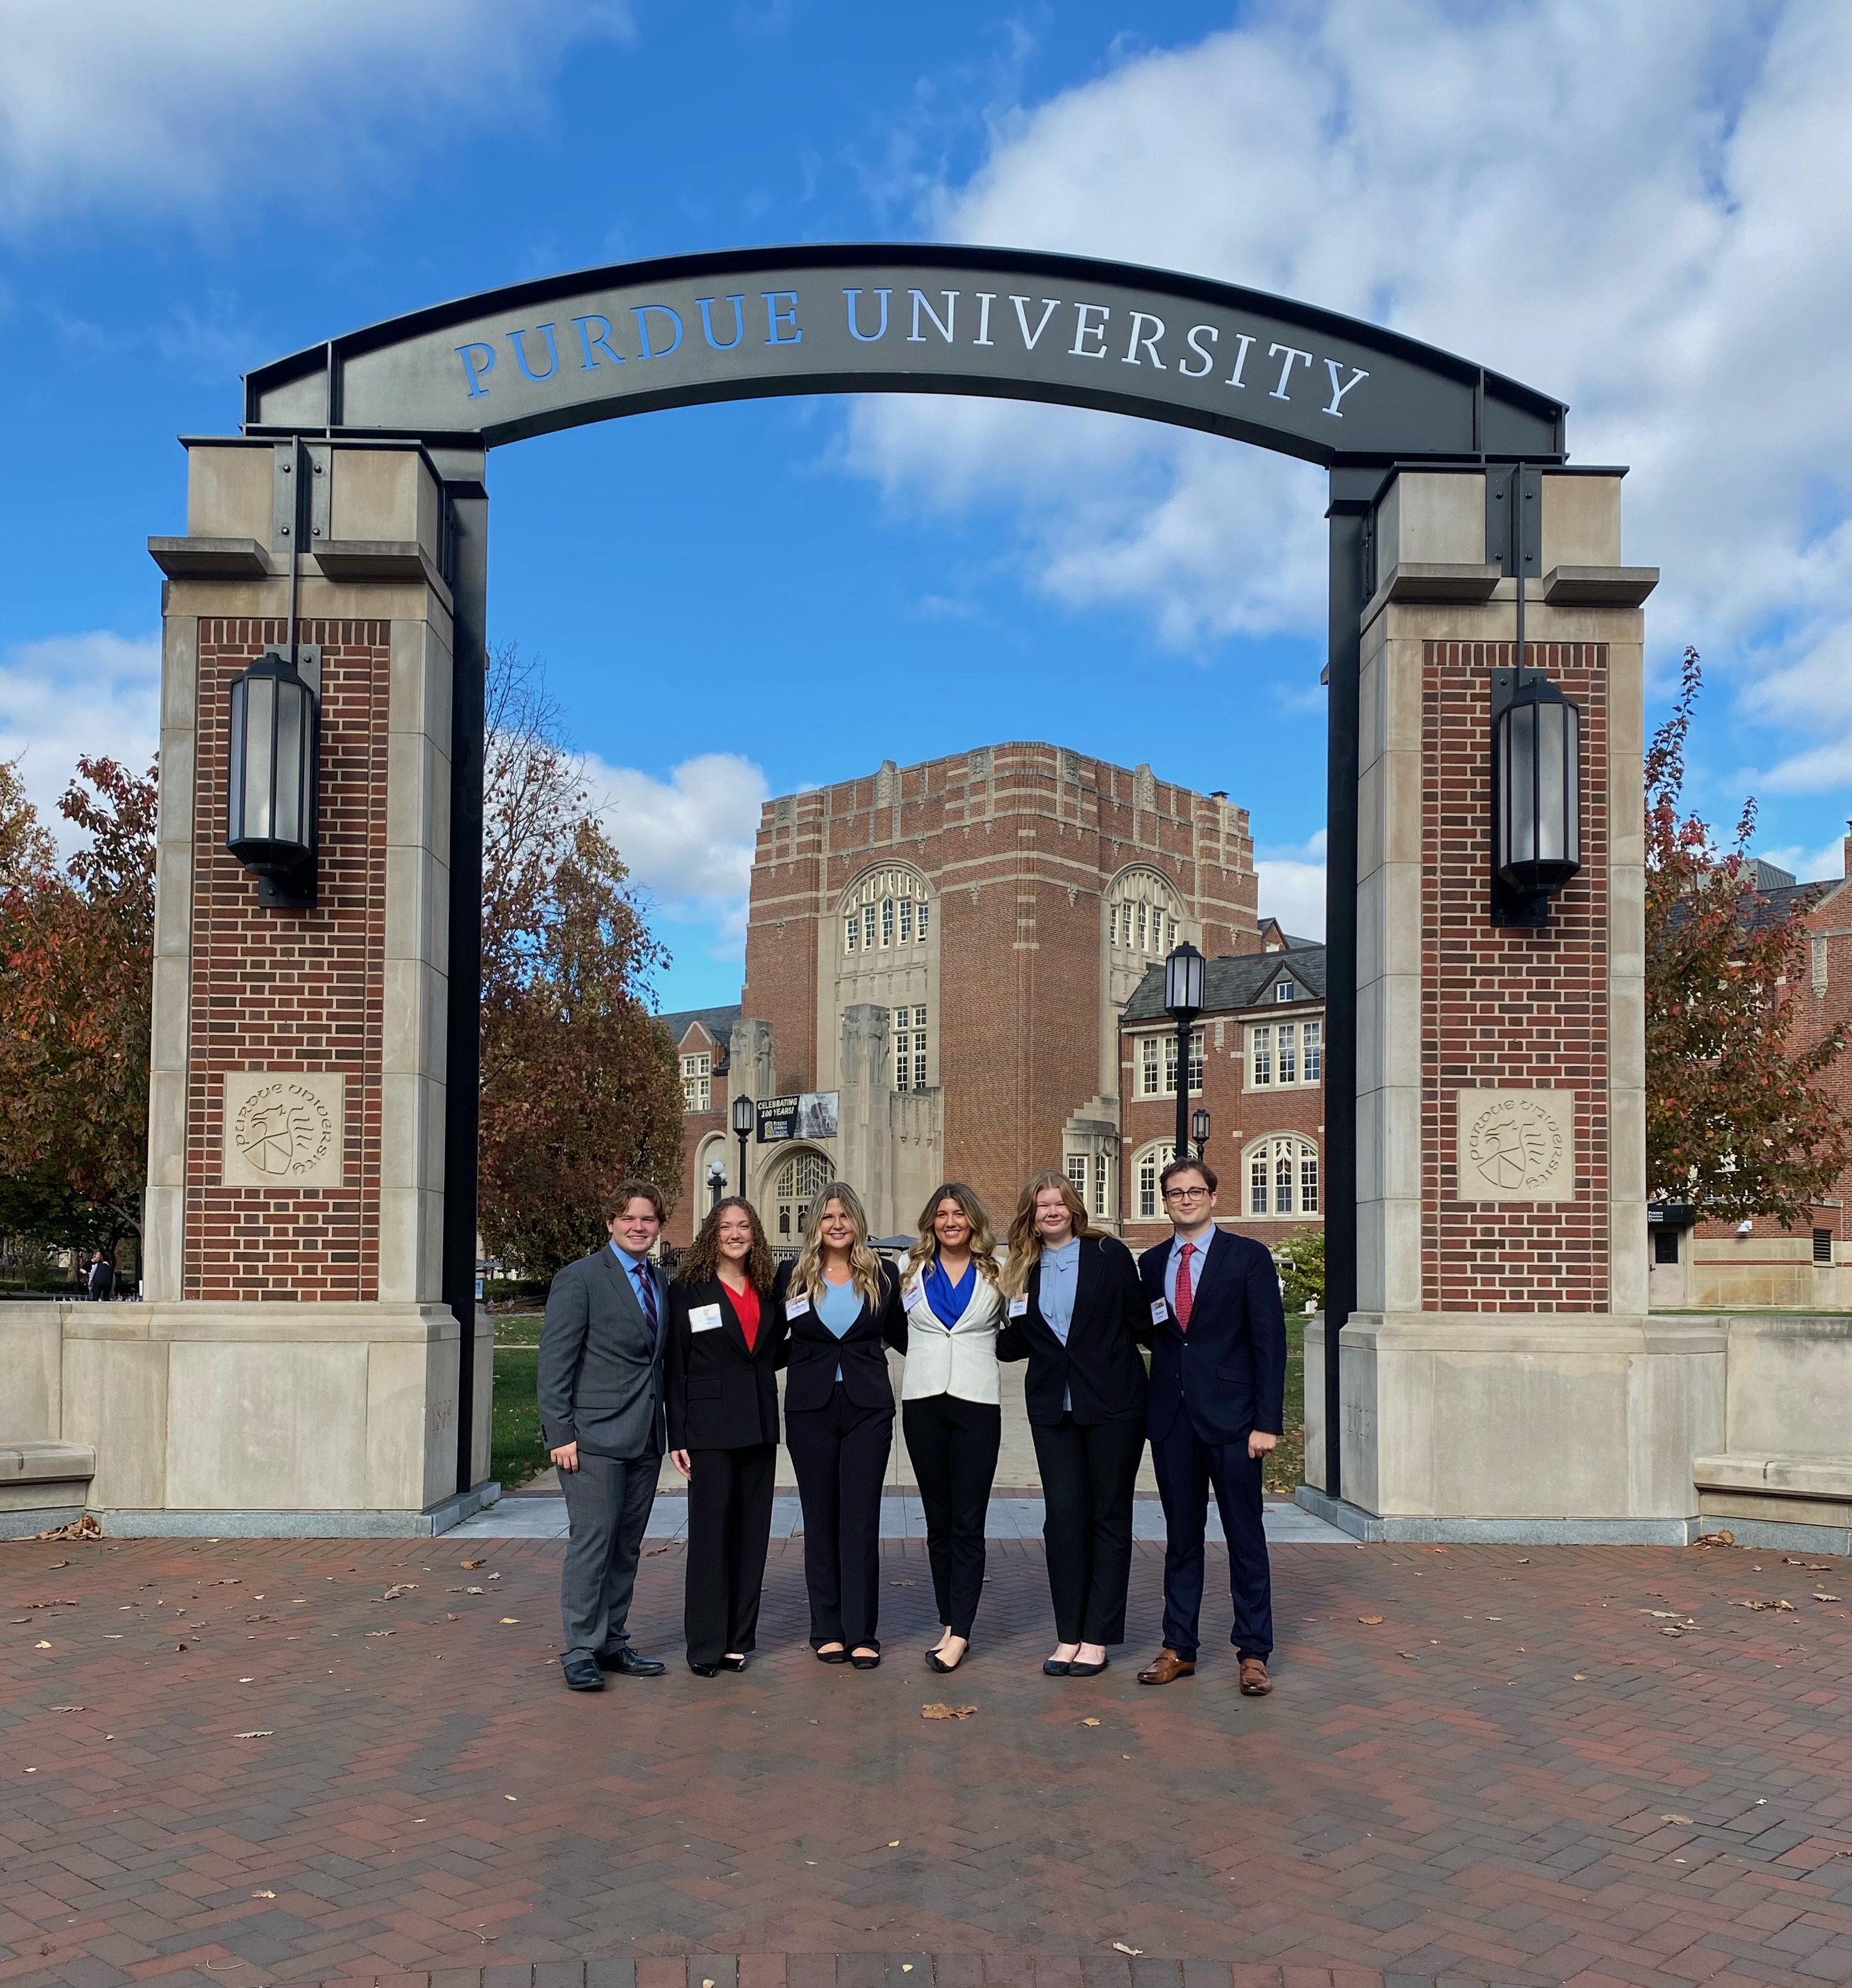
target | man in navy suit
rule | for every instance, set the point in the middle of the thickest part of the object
(1216, 1407)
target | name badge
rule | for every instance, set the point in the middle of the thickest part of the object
(704, 1318)
(796, 1307)
(914, 1293)
(1160, 1312)
(1019, 1307)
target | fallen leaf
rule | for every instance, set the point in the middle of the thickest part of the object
(511, 1797)
(1580, 1677)
(70, 1708)
(1410, 1655)
(1370, 1621)
(1826, 1597)
(1724, 1538)
(508, 1619)
(261, 1732)
(895, 1844)
(382, 1632)
(263, 1894)
(452, 1618)
(1681, 1819)
(1119, 1946)
(650, 1553)
(41, 1645)
(946, 1711)
(59, 1603)
(1089, 1721)
(472, 1563)
(401, 1587)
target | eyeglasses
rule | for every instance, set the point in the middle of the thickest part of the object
(1186, 1194)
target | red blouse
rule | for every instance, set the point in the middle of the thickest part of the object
(745, 1306)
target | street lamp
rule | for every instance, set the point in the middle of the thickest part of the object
(271, 809)
(1199, 1129)
(744, 1114)
(1183, 972)
(717, 1179)
(1536, 813)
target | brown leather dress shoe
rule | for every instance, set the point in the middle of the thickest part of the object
(1166, 1667)
(1254, 1682)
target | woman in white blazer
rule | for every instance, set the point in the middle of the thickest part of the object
(949, 1408)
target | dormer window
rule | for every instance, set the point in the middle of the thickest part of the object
(1284, 990)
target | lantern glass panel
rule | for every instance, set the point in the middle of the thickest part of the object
(260, 740)
(291, 731)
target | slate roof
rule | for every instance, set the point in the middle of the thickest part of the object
(1240, 980)
(718, 1021)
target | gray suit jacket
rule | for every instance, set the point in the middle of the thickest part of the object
(600, 1379)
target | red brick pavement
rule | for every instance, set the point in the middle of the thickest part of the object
(1493, 1782)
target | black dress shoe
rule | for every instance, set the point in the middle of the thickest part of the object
(733, 1663)
(583, 1674)
(704, 1670)
(626, 1662)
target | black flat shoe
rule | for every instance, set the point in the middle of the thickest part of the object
(732, 1663)
(1088, 1670)
(839, 1656)
(704, 1670)
(936, 1662)
(1054, 1667)
(868, 1663)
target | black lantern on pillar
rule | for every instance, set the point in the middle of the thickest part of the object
(745, 1115)
(1199, 1129)
(1536, 795)
(271, 785)
(1183, 997)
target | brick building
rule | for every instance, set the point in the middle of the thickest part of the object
(945, 949)
(703, 1038)
(1759, 1263)
(1257, 1065)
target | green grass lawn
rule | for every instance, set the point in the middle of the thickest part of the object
(518, 1453)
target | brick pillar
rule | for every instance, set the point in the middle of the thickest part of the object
(1501, 1363)
(294, 1355)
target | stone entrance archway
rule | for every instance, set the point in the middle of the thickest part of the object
(302, 1348)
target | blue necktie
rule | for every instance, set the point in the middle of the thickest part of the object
(646, 1289)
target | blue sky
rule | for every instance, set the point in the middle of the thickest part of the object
(734, 601)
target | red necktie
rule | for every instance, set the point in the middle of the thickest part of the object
(1185, 1297)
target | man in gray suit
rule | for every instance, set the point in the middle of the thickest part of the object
(602, 1416)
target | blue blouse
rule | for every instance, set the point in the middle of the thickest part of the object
(839, 1308)
(1060, 1278)
(948, 1300)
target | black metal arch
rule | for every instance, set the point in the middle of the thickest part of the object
(467, 376)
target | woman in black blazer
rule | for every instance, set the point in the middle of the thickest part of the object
(725, 1343)
(842, 1310)
(1075, 1311)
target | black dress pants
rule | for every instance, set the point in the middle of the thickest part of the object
(1187, 1468)
(954, 1446)
(840, 1452)
(729, 1523)
(1088, 1473)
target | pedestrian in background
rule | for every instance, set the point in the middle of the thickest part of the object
(600, 1387)
(842, 1310)
(725, 1340)
(1218, 1405)
(949, 1407)
(1075, 1313)
(99, 1287)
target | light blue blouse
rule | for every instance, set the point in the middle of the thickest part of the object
(839, 1308)
(1055, 1297)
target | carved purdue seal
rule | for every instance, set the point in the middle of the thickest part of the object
(283, 1128)
(1516, 1145)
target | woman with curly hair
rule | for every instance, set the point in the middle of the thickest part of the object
(1077, 1313)
(842, 1310)
(725, 1343)
(949, 1401)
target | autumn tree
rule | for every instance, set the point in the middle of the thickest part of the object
(1736, 1120)
(579, 1080)
(76, 951)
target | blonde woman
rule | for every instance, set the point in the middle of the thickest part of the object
(842, 1310)
(949, 1407)
(1075, 1313)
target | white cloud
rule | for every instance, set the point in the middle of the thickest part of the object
(1809, 866)
(182, 107)
(96, 694)
(1647, 210)
(1292, 886)
(688, 839)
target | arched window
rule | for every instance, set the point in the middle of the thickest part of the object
(1142, 910)
(1282, 1176)
(885, 909)
(1150, 1163)
(796, 1187)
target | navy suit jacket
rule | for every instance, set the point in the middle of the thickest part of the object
(1229, 1370)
